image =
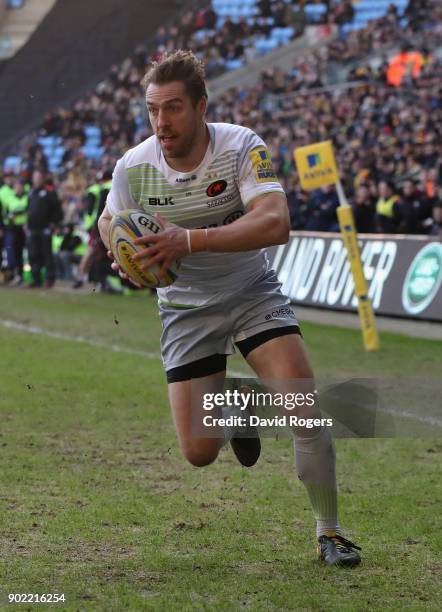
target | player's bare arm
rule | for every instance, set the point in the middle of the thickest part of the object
(103, 226)
(266, 224)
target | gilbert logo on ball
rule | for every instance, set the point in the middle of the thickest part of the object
(125, 227)
(423, 279)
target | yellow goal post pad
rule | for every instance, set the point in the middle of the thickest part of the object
(365, 308)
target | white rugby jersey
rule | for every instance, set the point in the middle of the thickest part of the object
(236, 168)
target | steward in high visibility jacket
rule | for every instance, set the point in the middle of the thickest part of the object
(93, 199)
(406, 63)
(387, 209)
(68, 246)
(16, 214)
(6, 193)
(15, 217)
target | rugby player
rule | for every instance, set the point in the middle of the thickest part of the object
(221, 205)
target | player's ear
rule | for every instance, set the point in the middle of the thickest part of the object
(202, 105)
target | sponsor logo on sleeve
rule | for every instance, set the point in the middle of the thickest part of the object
(262, 165)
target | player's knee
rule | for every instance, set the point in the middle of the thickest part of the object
(200, 457)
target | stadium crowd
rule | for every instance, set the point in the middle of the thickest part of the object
(387, 137)
(387, 140)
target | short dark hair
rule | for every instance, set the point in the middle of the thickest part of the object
(181, 66)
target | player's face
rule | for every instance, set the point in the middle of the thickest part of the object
(37, 179)
(175, 120)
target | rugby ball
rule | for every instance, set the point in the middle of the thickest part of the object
(124, 228)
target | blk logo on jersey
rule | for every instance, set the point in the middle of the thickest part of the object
(214, 189)
(161, 202)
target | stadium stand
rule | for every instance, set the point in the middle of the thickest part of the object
(15, 4)
(21, 19)
(68, 54)
(384, 134)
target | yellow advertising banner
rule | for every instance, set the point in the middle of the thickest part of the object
(365, 309)
(316, 165)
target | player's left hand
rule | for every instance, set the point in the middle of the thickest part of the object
(163, 248)
(116, 268)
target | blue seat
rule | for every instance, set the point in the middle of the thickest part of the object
(54, 163)
(282, 35)
(200, 34)
(315, 11)
(11, 163)
(93, 141)
(92, 130)
(94, 153)
(351, 27)
(248, 11)
(264, 45)
(15, 4)
(223, 12)
(233, 64)
(46, 141)
(58, 151)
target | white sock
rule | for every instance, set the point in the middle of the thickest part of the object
(315, 463)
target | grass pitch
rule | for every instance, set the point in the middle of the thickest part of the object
(97, 503)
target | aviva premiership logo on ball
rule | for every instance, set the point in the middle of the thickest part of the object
(423, 279)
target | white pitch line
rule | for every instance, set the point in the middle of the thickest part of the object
(427, 420)
(32, 329)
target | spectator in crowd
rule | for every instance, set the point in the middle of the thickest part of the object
(343, 12)
(297, 201)
(94, 202)
(417, 12)
(321, 210)
(388, 208)
(295, 17)
(279, 14)
(364, 209)
(415, 210)
(405, 65)
(15, 239)
(380, 132)
(69, 251)
(44, 213)
(6, 193)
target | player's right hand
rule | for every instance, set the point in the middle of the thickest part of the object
(121, 274)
